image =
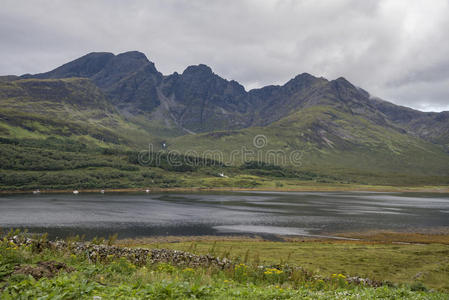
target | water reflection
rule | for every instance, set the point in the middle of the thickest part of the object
(296, 213)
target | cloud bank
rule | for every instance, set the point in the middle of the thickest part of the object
(397, 50)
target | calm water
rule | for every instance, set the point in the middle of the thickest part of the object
(262, 213)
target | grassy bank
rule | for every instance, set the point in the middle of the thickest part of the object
(401, 258)
(32, 270)
(290, 186)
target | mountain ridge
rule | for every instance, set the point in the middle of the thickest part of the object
(202, 101)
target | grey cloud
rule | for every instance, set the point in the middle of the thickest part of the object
(397, 50)
(424, 95)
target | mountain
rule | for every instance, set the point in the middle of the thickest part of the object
(200, 101)
(123, 101)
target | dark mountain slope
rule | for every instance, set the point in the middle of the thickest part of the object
(202, 101)
(85, 66)
(275, 102)
(128, 79)
(430, 126)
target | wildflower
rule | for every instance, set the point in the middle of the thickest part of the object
(188, 270)
(240, 266)
(273, 271)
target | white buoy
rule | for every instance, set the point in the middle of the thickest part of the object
(76, 192)
(102, 191)
(147, 190)
(36, 192)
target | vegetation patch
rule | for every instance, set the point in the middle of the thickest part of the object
(82, 275)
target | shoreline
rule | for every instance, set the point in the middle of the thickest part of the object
(317, 188)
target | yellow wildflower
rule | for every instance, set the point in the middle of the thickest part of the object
(188, 270)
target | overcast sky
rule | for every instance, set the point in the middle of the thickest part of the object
(395, 49)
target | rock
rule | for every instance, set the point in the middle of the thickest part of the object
(43, 269)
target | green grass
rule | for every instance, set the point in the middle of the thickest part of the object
(426, 263)
(117, 278)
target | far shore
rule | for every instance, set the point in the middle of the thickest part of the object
(305, 188)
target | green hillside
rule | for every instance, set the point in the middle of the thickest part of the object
(332, 143)
(73, 109)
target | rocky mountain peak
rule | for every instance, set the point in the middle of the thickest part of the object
(133, 55)
(343, 83)
(85, 66)
(127, 62)
(200, 69)
(301, 81)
